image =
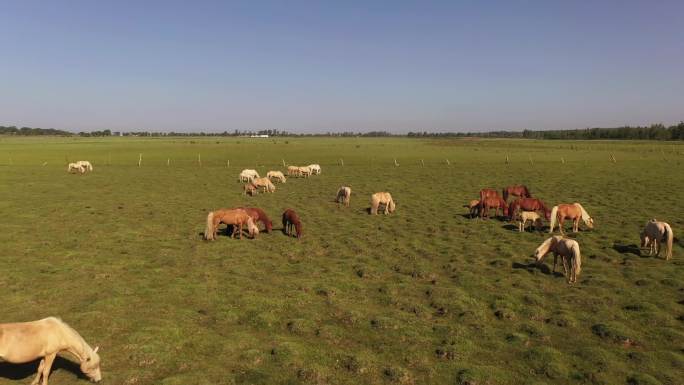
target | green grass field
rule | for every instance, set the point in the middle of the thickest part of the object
(423, 296)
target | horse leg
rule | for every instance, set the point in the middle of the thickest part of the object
(565, 268)
(39, 372)
(48, 365)
(575, 225)
(560, 225)
(555, 260)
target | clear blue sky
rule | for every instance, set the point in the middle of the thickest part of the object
(316, 66)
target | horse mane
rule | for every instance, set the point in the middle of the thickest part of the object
(545, 247)
(85, 348)
(585, 214)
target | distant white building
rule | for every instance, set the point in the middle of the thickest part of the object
(258, 136)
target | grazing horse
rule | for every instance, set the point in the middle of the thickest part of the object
(250, 188)
(290, 220)
(247, 175)
(488, 193)
(264, 183)
(573, 211)
(293, 171)
(258, 215)
(382, 198)
(85, 164)
(493, 203)
(277, 175)
(531, 216)
(23, 342)
(654, 234)
(520, 191)
(315, 169)
(235, 217)
(474, 206)
(304, 171)
(343, 195)
(528, 204)
(567, 249)
(75, 167)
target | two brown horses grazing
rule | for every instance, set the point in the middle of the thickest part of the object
(259, 215)
(528, 204)
(567, 249)
(573, 211)
(235, 217)
(520, 191)
(290, 221)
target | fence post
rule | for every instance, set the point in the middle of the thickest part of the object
(422, 163)
(507, 159)
(228, 163)
(139, 159)
(199, 159)
(283, 162)
(395, 163)
(168, 162)
(342, 162)
(448, 163)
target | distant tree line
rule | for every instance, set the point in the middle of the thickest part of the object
(28, 131)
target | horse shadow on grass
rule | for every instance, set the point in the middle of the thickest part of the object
(17, 372)
(628, 249)
(532, 266)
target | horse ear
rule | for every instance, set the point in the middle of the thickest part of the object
(96, 348)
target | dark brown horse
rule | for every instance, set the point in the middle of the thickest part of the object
(493, 203)
(259, 216)
(520, 191)
(290, 220)
(528, 204)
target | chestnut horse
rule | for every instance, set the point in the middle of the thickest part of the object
(520, 191)
(493, 203)
(573, 211)
(235, 217)
(290, 220)
(528, 204)
(258, 215)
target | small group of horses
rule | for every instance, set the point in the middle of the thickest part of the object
(255, 183)
(241, 217)
(304, 171)
(81, 167)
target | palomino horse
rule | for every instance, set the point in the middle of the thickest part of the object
(567, 249)
(292, 170)
(656, 233)
(277, 175)
(532, 216)
(304, 171)
(493, 203)
(291, 222)
(235, 217)
(264, 183)
(520, 191)
(382, 198)
(75, 167)
(343, 195)
(26, 341)
(258, 215)
(247, 175)
(85, 164)
(250, 188)
(573, 211)
(474, 206)
(315, 169)
(528, 204)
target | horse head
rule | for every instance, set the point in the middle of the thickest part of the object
(90, 366)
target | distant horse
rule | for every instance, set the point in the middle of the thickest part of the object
(493, 203)
(291, 222)
(343, 195)
(258, 215)
(315, 169)
(520, 191)
(304, 171)
(567, 249)
(75, 167)
(250, 188)
(247, 175)
(293, 171)
(531, 216)
(27, 341)
(264, 183)
(474, 206)
(382, 198)
(528, 204)
(85, 164)
(654, 234)
(277, 175)
(235, 217)
(573, 211)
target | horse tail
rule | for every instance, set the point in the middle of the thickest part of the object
(552, 221)
(669, 236)
(576, 260)
(391, 205)
(209, 230)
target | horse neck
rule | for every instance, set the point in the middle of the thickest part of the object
(585, 214)
(76, 343)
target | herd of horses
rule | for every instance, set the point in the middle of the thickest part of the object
(81, 167)
(525, 208)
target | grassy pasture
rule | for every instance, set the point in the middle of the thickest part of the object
(424, 296)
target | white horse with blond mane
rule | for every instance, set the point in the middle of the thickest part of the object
(277, 175)
(75, 167)
(569, 251)
(247, 175)
(343, 195)
(573, 211)
(532, 216)
(26, 341)
(315, 169)
(654, 234)
(264, 183)
(85, 164)
(382, 198)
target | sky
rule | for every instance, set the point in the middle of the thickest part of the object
(318, 66)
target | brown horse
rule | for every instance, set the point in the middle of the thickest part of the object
(528, 204)
(493, 203)
(488, 193)
(290, 220)
(573, 211)
(258, 215)
(235, 217)
(520, 191)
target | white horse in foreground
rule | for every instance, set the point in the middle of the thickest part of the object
(247, 175)
(26, 341)
(655, 233)
(75, 167)
(85, 164)
(277, 175)
(315, 169)
(567, 249)
(382, 198)
(343, 195)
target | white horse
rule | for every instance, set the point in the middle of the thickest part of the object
(292, 170)
(656, 233)
(277, 175)
(304, 171)
(343, 195)
(247, 175)
(532, 216)
(315, 169)
(85, 164)
(382, 198)
(265, 183)
(75, 167)
(567, 249)
(26, 341)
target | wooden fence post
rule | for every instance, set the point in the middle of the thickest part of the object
(139, 159)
